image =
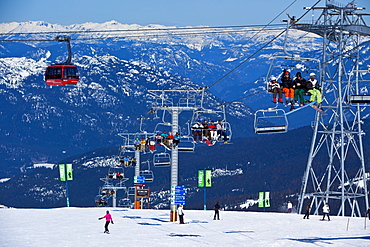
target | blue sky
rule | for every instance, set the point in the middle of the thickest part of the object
(166, 12)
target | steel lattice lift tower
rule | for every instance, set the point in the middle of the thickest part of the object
(335, 171)
(187, 100)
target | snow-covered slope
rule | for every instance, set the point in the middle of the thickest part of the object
(81, 227)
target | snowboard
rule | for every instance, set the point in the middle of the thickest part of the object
(318, 109)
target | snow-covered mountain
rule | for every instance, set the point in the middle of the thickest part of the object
(43, 124)
(111, 95)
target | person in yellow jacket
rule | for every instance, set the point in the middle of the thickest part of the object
(314, 89)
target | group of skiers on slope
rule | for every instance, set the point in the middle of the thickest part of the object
(180, 211)
(295, 89)
(325, 210)
(209, 131)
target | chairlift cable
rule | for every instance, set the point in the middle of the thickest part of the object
(143, 35)
(236, 49)
(247, 59)
(250, 95)
(137, 30)
(251, 56)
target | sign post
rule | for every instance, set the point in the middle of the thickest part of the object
(139, 181)
(264, 200)
(208, 178)
(178, 196)
(66, 174)
(207, 181)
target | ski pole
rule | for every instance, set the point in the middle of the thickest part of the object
(365, 223)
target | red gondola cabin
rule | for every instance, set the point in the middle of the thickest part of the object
(61, 75)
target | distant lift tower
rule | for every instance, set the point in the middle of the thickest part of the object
(163, 101)
(335, 171)
(175, 102)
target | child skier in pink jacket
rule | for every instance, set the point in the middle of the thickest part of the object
(108, 219)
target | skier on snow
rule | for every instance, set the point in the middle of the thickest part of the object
(326, 210)
(307, 214)
(217, 212)
(180, 212)
(108, 219)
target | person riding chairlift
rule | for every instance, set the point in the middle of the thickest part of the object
(314, 89)
(176, 139)
(213, 130)
(275, 88)
(299, 85)
(287, 84)
(197, 131)
(170, 138)
(221, 131)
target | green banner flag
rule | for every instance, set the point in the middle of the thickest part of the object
(200, 178)
(69, 171)
(62, 172)
(208, 178)
(267, 199)
(261, 199)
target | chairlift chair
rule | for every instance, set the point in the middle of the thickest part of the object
(228, 130)
(116, 174)
(100, 202)
(272, 120)
(160, 127)
(213, 115)
(296, 62)
(161, 159)
(131, 191)
(148, 174)
(125, 202)
(186, 144)
(358, 99)
(187, 102)
(290, 57)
